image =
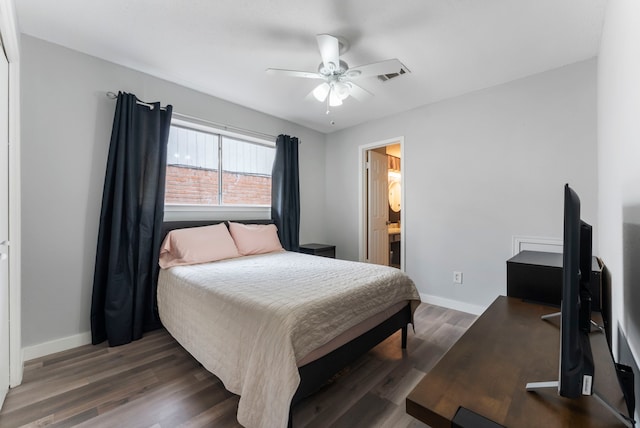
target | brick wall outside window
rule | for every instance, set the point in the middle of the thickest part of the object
(239, 188)
(185, 185)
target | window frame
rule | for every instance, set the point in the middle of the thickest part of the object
(173, 211)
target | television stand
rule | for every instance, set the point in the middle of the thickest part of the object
(557, 314)
(534, 386)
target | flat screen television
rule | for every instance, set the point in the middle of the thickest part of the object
(576, 361)
(576, 368)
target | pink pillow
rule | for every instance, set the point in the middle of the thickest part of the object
(255, 238)
(197, 245)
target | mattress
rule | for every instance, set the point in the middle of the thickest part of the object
(251, 320)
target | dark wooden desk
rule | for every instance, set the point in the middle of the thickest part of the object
(487, 369)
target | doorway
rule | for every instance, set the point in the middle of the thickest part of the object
(381, 202)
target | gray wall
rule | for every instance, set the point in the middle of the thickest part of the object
(477, 170)
(66, 126)
(618, 163)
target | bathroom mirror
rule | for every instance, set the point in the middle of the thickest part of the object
(394, 195)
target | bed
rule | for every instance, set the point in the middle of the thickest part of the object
(274, 327)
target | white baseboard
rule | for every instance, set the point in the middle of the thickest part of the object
(69, 342)
(65, 343)
(53, 346)
(452, 304)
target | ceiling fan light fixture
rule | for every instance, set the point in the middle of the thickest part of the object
(342, 89)
(321, 91)
(336, 75)
(334, 99)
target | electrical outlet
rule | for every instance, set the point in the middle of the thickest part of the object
(457, 277)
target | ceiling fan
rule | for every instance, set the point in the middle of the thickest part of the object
(337, 75)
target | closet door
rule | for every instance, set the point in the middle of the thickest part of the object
(4, 225)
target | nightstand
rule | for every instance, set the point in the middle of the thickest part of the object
(323, 250)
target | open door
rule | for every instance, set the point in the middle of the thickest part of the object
(378, 209)
(381, 198)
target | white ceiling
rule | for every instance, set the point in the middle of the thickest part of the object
(223, 47)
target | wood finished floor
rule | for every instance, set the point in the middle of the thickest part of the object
(155, 383)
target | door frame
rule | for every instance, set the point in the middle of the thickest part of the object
(362, 197)
(10, 39)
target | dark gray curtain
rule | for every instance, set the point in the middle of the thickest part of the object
(124, 284)
(285, 192)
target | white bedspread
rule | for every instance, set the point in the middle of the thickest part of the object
(248, 320)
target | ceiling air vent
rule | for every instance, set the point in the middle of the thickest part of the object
(389, 76)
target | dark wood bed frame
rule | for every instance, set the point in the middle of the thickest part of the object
(316, 373)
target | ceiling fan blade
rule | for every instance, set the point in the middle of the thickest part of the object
(329, 50)
(358, 92)
(375, 69)
(295, 73)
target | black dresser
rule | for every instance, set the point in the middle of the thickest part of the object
(537, 276)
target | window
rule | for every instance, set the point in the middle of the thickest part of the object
(209, 167)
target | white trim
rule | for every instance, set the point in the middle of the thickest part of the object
(216, 212)
(15, 207)
(57, 345)
(70, 342)
(362, 185)
(518, 243)
(11, 42)
(469, 308)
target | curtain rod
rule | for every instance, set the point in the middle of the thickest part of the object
(114, 96)
(230, 128)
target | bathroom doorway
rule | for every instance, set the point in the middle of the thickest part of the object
(381, 202)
